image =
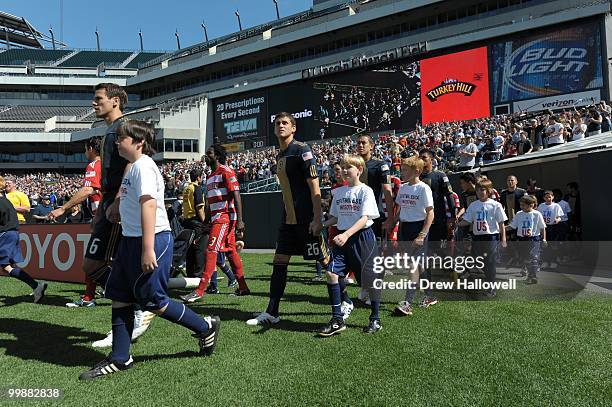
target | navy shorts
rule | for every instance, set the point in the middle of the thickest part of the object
(10, 251)
(105, 235)
(127, 282)
(409, 231)
(357, 255)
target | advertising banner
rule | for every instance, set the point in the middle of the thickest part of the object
(242, 118)
(54, 252)
(455, 86)
(558, 102)
(563, 61)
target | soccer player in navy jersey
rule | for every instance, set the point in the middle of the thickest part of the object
(300, 230)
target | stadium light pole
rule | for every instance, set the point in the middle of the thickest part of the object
(205, 31)
(140, 36)
(276, 5)
(178, 39)
(52, 37)
(97, 38)
(239, 22)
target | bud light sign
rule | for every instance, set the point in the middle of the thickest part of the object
(564, 61)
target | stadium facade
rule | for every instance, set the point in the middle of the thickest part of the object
(341, 67)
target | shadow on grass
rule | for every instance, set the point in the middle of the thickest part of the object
(52, 300)
(184, 354)
(50, 343)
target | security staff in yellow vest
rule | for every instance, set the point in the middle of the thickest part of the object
(193, 217)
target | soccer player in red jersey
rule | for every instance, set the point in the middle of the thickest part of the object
(91, 192)
(223, 196)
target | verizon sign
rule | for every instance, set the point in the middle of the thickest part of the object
(558, 102)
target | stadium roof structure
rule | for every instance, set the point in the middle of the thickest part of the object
(17, 31)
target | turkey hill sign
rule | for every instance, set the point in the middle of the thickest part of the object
(451, 86)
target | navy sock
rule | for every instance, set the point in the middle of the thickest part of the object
(227, 271)
(180, 314)
(410, 295)
(374, 302)
(319, 269)
(19, 274)
(343, 291)
(278, 282)
(213, 280)
(123, 325)
(334, 299)
(427, 275)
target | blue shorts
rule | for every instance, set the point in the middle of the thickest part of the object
(356, 255)
(409, 231)
(10, 250)
(127, 282)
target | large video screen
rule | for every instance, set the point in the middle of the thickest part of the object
(240, 120)
(562, 61)
(373, 99)
(455, 86)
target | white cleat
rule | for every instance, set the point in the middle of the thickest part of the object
(142, 320)
(263, 319)
(346, 308)
(39, 292)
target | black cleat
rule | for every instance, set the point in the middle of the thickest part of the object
(335, 326)
(208, 339)
(241, 293)
(212, 290)
(373, 327)
(105, 367)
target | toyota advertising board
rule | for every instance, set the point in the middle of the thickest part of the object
(455, 86)
(562, 61)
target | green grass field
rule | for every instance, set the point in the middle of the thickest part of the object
(556, 352)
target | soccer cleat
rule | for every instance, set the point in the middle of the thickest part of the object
(241, 293)
(403, 308)
(191, 297)
(346, 308)
(106, 367)
(39, 292)
(364, 297)
(318, 278)
(81, 302)
(350, 280)
(142, 320)
(427, 301)
(212, 290)
(531, 280)
(373, 327)
(263, 319)
(208, 339)
(233, 283)
(335, 326)
(100, 292)
(107, 342)
(491, 293)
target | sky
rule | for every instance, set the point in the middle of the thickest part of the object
(118, 21)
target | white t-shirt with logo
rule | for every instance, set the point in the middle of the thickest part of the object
(142, 179)
(485, 216)
(550, 212)
(579, 131)
(351, 203)
(528, 224)
(413, 200)
(555, 133)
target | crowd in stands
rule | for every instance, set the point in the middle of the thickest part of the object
(457, 146)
